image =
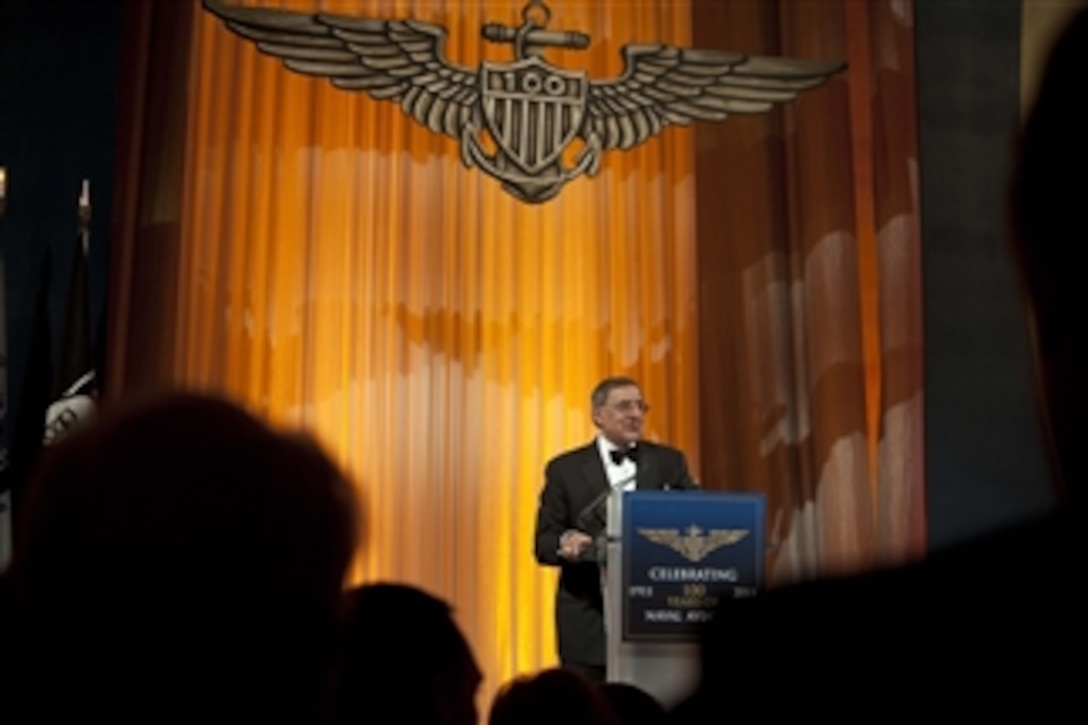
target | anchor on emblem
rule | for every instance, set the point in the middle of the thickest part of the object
(533, 111)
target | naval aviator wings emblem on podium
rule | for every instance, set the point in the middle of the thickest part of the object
(533, 111)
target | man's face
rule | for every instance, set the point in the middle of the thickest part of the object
(621, 417)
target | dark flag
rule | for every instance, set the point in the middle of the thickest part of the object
(26, 433)
(75, 388)
(6, 528)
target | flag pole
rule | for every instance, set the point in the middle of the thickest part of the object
(6, 514)
(85, 216)
(74, 385)
(3, 190)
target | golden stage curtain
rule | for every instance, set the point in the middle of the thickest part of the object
(341, 270)
(325, 260)
(810, 290)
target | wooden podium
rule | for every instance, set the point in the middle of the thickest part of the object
(670, 557)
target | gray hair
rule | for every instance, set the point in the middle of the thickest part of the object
(606, 386)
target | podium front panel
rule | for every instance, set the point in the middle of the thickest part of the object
(678, 555)
(683, 553)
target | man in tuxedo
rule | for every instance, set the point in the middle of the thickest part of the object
(573, 506)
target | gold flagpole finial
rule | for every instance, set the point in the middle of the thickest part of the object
(3, 189)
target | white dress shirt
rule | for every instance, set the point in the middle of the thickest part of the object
(621, 476)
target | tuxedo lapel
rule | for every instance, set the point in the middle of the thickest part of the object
(595, 482)
(646, 474)
(593, 470)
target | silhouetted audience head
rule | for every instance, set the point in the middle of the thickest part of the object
(404, 660)
(180, 559)
(633, 705)
(549, 697)
(1048, 195)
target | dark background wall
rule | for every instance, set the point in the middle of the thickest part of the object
(985, 460)
(59, 68)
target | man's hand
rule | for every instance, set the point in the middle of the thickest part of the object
(572, 543)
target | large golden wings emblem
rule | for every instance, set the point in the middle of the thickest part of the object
(532, 110)
(693, 544)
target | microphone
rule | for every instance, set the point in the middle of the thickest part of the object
(582, 520)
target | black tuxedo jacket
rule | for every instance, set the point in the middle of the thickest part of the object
(573, 482)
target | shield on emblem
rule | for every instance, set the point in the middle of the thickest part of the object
(532, 109)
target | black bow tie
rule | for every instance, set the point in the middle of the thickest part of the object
(618, 456)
